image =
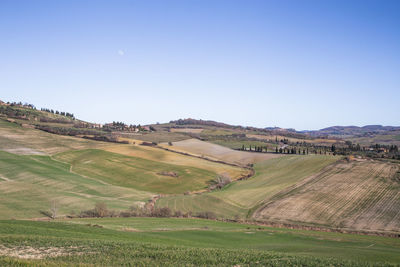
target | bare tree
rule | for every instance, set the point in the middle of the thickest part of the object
(221, 181)
(101, 209)
(53, 208)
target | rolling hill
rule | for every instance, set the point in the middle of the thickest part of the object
(37, 168)
(361, 195)
(174, 168)
(240, 198)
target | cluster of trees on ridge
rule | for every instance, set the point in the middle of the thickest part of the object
(62, 113)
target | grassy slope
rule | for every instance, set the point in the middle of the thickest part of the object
(217, 152)
(29, 141)
(271, 177)
(138, 173)
(386, 139)
(156, 154)
(359, 194)
(30, 183)
(220, 244)
(158, 136)
(238, 144)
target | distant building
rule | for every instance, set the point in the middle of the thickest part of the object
(97, 126)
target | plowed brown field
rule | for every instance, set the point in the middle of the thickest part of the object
(358, 195)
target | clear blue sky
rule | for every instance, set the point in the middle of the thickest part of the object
(300, 64)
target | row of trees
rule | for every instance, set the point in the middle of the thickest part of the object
(12, 112)
(121, 126)
(62, 113)
(376, 150)
(20, 104)
(282, 150)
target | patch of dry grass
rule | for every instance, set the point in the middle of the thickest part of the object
(217, 152)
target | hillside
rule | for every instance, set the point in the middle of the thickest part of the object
(354, 130)
(240, 198)
(37, 168)
(183, 171)
(127, 177)
(213, 151)
(361, 195)
(365, 135)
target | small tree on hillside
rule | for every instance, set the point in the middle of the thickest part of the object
(101, 209)
(53, 209)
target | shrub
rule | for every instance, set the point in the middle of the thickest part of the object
(101, 210)
(161, 212)
(220, 181)
(87, 214)
(178, 214)
(207, 215)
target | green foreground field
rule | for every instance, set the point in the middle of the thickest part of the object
(185, 242)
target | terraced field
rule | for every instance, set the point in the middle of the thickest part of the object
(356, 194)
(240, 198)
(217, 152)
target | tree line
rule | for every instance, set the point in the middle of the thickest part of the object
(62, 113)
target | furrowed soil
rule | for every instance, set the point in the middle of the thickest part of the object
(363, 195)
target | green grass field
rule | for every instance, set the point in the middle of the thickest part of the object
(78, 179)
(134, 172)
(163, 156)
(240, 198)
(30, 183)
(200, 243)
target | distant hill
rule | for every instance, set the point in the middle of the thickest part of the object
(190, 121)
(353, 130)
